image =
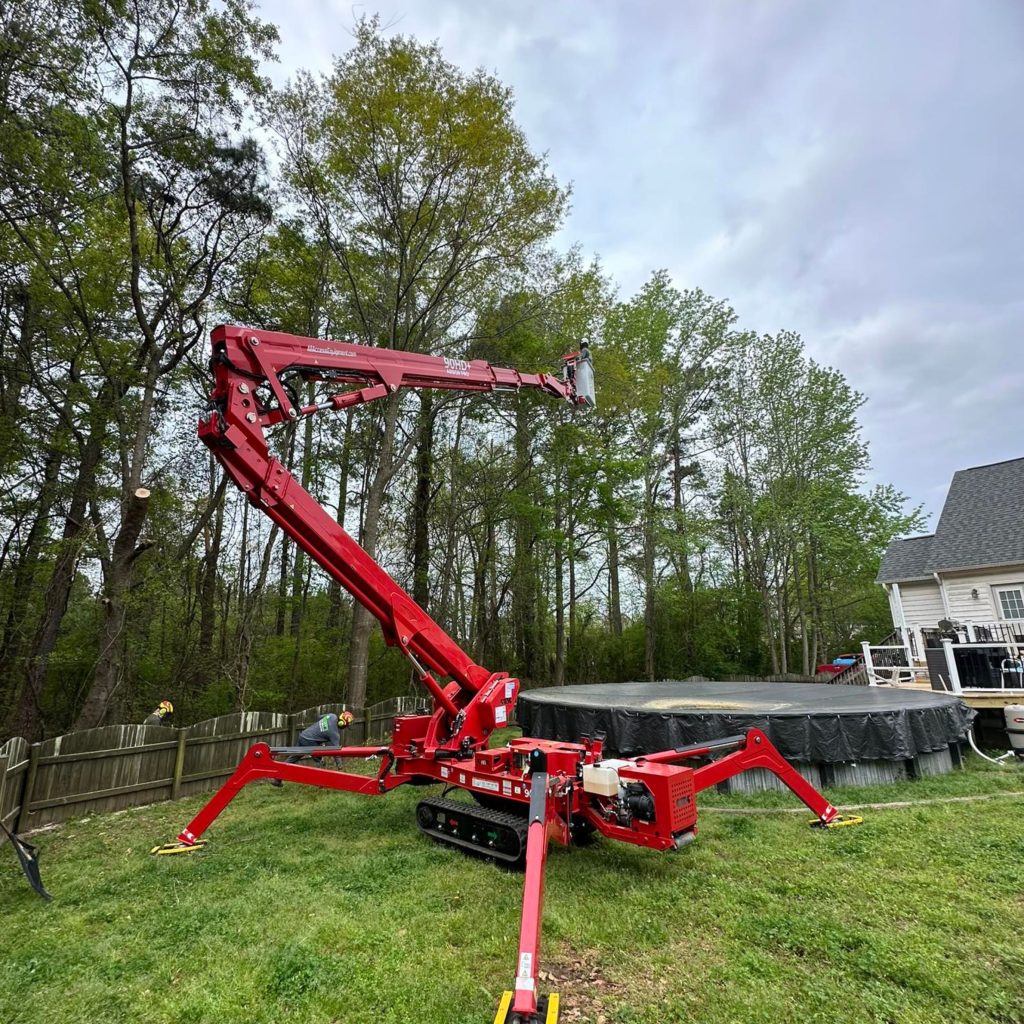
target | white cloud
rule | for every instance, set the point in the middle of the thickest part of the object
(850, 170)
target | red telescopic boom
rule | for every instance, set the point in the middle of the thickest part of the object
(251, 396)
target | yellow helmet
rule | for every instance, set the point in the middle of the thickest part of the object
(346, 718)
(166, 707)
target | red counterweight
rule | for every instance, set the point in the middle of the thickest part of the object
(530, 791)
(673, 797)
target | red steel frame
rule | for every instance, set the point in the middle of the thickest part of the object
(449, 746)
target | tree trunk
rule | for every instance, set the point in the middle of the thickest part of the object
(805, 648)
(334, 598)
(525, 639)
(448, 616)
(117, 566)
(783, 617)
(424, 468)
(281, 605)
(480, 603)
(246, 599)
(26, 718)
(648, 570)
(250, 599)
(109, 667)
(495, 649)
(24, 581)
(681, 556)
(572, 637)
(17, 368)
(769, 621)
(208, 589)
(614, 590)
(815, 599)
(282, 588)
(558, 675)
(298, 575)
(362, 619)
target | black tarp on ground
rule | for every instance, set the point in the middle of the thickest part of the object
(806, 721)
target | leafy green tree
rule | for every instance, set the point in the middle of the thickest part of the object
(669, 348)
(792, 501)
(427, 194)
(127, 189)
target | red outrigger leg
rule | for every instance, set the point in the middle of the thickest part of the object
(259, 763)
(757, 751)
(526, 1008)
(750, 750)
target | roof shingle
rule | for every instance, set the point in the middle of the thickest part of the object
(982, 521)
(905, 559)
(982, 524)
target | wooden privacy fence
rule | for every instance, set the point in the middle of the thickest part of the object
(118, 766)
(13, 768)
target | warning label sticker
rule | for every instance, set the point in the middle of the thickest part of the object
(486, 784)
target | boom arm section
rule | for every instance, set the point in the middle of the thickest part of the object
(252, 394)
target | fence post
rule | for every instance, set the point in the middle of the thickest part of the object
(869, 665)
(179, 764)
(293, 725)
(905, 640)
(30, 785)
(954, 674)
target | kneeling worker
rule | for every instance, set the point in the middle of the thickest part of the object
(324, 732)
(160, 714)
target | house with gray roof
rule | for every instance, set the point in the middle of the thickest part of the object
(971, 570)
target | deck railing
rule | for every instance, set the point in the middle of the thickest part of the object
(980, 667)
(890, 662)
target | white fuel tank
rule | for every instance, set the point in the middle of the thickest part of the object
(1014, 714)
(602, 779)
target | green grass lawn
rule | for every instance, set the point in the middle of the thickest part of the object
(312, 907)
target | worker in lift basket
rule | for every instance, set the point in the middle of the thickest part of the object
(324, 732)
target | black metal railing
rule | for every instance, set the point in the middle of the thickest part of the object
(1002, 632)
(987, 655)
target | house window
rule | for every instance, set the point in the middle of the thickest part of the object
(1011, 602)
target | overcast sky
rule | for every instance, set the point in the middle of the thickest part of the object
(850, 170)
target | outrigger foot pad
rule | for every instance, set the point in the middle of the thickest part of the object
(839, 821)
(169, 848)
(547, 1011)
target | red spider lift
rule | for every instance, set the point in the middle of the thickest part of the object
(528, 792)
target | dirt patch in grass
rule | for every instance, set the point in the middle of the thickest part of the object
(584, 990)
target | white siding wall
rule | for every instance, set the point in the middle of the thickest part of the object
(922, 609)
(922, 601)
(893, 609)
(984, 608)
(922, 604)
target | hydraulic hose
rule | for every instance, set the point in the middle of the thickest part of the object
(999, 761)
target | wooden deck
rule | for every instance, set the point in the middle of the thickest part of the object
(992, 698)
(975, 698)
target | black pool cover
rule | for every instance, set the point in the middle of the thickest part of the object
(813, 722)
